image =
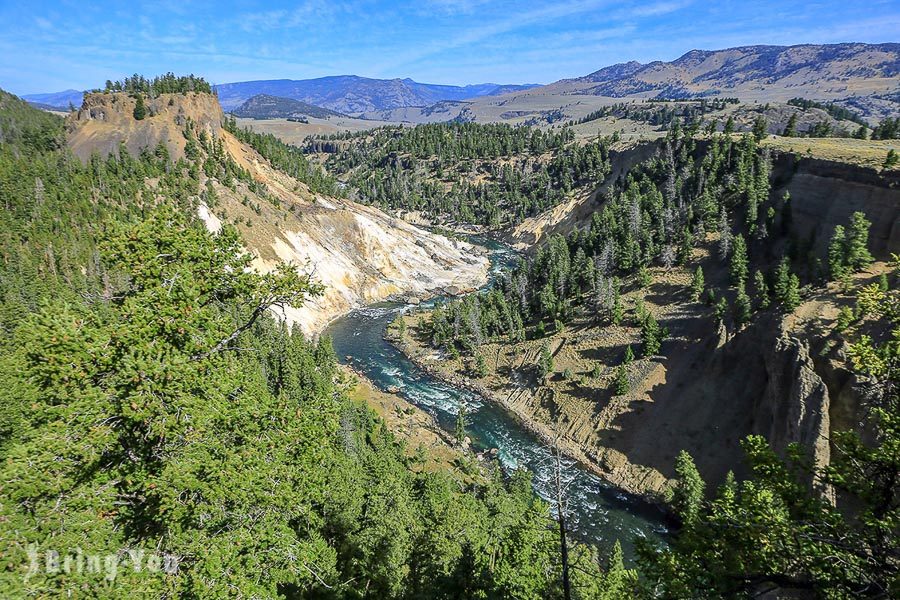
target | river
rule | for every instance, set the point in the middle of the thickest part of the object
(598, 513)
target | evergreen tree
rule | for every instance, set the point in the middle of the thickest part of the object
(622, 384)
(858, 255)
(545, 362)
(697, 284)
(837, 250)
(760, 128)
(844, 319)
(739, 261)
(792, 297)
(140, 109)
(481, 368)
(742, 307)
(729, 126)
(782, 280)
(790, 129)
(460, 429)
(687, 495)
(651, 336)
(721, 309)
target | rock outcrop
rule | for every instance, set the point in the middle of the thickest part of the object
(106, 121)
(794, 408)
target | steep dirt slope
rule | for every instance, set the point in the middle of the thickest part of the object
(577, 210)
(359, 253)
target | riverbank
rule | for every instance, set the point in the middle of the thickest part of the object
(418, 431)
(412, 426)
(612, 466)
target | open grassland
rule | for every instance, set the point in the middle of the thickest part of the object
(867, 153)
(293, 132)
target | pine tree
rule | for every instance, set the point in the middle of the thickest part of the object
(651, 335)
(460, 430)
(760, 128)
(844, 319)
(782, 280)
(481, 368)
(545, 362)
(729, 126)
(140, 109)
(790, 129)
(618, 312)
(739, 261)
(858, 255)
(644, 279)
(697, 284)
(837, 249)
(687, 495)
(742, 307)
(792, 299)
(721, 309)
(622, 385)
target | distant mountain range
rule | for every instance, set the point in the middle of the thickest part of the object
(866, 75)
(263, 106)
(828, 71)
(55, 100)
(350, 94)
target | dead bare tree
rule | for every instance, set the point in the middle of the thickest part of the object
(561, 486)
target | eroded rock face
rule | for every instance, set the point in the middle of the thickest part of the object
(794, 408)
(105, 121)
(825, 194)
(360, 254)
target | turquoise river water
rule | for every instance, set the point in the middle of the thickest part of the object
(598, 513)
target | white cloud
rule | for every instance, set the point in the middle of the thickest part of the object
(505, 25)
(655, 9)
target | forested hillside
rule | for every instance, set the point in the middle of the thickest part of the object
(491, 175)
(149, 403)
(263, 106)
(689, 255)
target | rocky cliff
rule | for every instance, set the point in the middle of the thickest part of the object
(359, 253)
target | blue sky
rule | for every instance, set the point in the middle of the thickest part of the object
(51, 46)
